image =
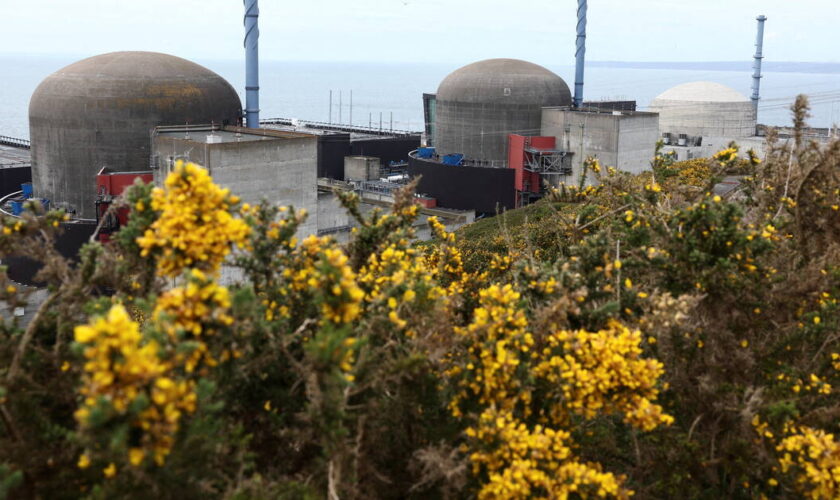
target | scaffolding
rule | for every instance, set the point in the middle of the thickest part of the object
(547, 161)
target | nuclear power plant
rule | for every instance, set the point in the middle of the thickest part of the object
(502, 131)
(498, 134)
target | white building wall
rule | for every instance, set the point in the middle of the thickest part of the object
(705, 119)
(625, 140)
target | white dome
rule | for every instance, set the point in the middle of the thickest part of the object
(705, 109)
(702, 92)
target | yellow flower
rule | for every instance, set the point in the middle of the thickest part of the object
(84, 461)
(110, 471)
(136, 456)
(195, 228)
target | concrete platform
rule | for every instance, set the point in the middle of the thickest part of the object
(14, 157)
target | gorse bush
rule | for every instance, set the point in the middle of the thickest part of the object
(640, 336)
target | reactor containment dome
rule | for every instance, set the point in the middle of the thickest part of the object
(705, 109)
(478, 105)
(99, 112)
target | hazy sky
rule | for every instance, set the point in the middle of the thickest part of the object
(456, 31)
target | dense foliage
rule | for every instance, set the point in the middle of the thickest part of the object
(641, 336)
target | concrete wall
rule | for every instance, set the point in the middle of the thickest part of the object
(705, 119)
(331, 215)
(625, 141)
(480, 130)
(712, 145)
(361, 168)
(280, 170)
(637, 138)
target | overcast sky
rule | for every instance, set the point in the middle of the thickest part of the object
(456, 31)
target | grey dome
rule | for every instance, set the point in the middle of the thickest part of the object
(706, 109)
(478, 105)
(486, 81)
(100, 111)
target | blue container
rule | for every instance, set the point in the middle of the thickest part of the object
(425, 152)
(26, 187)
(17, 206)
(453, 159)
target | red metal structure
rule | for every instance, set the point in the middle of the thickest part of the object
(534, 159)
(109, 186)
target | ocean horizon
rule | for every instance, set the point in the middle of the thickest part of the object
(301, 89)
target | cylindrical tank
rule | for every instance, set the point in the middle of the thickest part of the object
(99, 112)
(705, 109)
(480, 104)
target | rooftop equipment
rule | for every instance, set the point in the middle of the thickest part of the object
(580, 52)
(759, 42)
(252, 64)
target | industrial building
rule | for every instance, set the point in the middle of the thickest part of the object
(336, 141)
(477, 106)
(254, 164)
(504, 129)
(703, 109)
(623, 139)
(499, 133)
(99, 112)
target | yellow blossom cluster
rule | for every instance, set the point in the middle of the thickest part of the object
(726, 156)
(695, 172)
(533, 463)
(497, 336)
(603, 372)
(447, 260)
(126, 378)
(812, 456)
(398, 277)
(525, 395)
(321, 268)
(192, 313)
(195, 227)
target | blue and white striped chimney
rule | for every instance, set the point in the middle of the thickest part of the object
(580, 52)
(759, 43)
(252, 65)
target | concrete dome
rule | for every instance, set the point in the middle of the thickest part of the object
(705, 109)
(100, 111)
(478, 105)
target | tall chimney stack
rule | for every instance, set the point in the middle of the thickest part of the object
(252, 65)
(580, 52)
(759, 43)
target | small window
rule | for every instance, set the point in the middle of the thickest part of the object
(507, 91)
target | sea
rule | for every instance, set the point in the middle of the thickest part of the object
(390, 94)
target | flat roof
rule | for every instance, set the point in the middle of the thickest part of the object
(14, 157)
(602, 111)
(309, 129)
(228, 134)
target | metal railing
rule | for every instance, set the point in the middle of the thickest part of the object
(14, 142)
(340, 127)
